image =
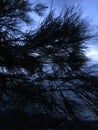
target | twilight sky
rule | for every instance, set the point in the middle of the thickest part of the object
(89, 9)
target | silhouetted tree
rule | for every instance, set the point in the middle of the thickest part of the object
(39, 68)
(58, 46)
(13, 15)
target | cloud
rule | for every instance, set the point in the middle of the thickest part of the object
(92, 53)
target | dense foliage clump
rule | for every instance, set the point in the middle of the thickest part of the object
(38, 69)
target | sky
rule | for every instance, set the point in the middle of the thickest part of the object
(89, 9)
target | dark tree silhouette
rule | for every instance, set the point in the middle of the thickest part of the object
(58, 46)
(13, 15)
(39, 68)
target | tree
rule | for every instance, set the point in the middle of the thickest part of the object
(59, 44)
(39, 66)
(13, 13)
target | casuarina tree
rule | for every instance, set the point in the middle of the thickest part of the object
(40, 67)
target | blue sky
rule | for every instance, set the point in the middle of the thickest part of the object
(89, 7)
